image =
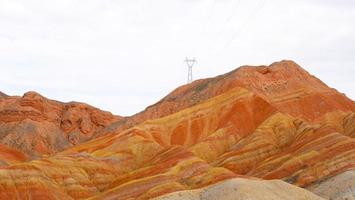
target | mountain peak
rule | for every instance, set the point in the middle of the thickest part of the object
(256, 122)
(281, 83)
(32, 95)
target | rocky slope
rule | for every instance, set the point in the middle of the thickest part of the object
(9, 156)
(284, 84)
(339, 187)
(242, 189)
(254, 123)
(35, 125)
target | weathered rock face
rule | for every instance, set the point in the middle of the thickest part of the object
(35, 125)
(253, 123)
(244, 189)
(291, 149)
(284, 84)
(10, 156)
(339, 187)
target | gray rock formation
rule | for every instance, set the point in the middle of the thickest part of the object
(340, 187)
(245, 189)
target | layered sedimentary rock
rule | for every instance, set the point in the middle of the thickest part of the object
(292, 150)
(10, 156)
(254, 123)
(35, 125)
(284, 84)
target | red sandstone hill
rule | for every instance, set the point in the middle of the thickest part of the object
(247, 134)
(35, 125)
(283, 84)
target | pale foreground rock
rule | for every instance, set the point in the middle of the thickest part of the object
(340, 187)
(245, 189)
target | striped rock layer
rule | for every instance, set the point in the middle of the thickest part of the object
(35, 126)
(233, 131)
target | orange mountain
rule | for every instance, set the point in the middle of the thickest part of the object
(36, 126)
(247, 134)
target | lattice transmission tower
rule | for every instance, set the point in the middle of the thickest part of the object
(190, 63)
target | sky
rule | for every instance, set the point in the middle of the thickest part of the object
(123, 55)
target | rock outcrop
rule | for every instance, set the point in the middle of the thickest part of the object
(339, 187)
(244, 189)
(285, 85)
(9, 156)
(272, 122)
(36, 126)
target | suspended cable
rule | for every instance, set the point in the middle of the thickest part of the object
(229, 18)
(252, 15)
(211, 11)
(207, 20)
(209, 43)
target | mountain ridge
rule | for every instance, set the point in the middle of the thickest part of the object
(181, 97)
(36, 125)
(252, 124)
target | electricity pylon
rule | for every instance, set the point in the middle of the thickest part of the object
(190, 63)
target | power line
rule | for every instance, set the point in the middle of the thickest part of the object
(211, 10)
(229, 18)
(244, 25)
(208, 18)
(191, 62)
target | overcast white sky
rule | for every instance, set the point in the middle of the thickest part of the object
(123, 55)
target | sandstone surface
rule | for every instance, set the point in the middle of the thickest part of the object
(339, 187)
(226, 133)
(36, 126)
(285, 85)
(244, 189)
